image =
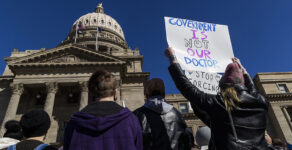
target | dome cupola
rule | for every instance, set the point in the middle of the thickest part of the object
(99, 9)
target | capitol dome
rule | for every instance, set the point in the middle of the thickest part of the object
(109, 38)
(99, 19)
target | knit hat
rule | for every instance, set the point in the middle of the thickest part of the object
(233, 75)
(35, 123)
(13, 130)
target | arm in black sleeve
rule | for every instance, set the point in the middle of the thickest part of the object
(204, 117)
(249, 84)
(253, 91)
(189, 91)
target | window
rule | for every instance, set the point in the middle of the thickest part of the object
(91, 46)
(283, 88)
(102, 48)
(183, 107)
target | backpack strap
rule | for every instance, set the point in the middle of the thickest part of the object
(159, 135)
(41, 147)
(12, 147)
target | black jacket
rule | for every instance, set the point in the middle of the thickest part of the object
(249, 117)
(163, 130)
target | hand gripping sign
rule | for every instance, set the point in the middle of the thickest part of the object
(199, 46)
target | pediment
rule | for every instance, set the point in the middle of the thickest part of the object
(71, 54)
(68, 58)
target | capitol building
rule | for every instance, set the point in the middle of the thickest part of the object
(56, 79)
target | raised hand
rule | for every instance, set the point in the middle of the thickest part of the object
(169, 52)
(236, 60)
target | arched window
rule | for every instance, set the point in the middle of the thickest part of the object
(91, 46)
(102, 48)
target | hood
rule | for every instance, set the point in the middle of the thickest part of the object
(99, 123)
(158, 105)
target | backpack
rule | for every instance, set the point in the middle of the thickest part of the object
(40, 147)
(159, 137)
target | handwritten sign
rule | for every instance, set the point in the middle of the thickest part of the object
(206, 82)
(199, 45)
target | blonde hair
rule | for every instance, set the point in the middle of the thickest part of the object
(230, 95)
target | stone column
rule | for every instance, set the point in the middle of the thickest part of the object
(52, 89)
(281, 120)
(284, 108)
(17, 90)
(84, 94)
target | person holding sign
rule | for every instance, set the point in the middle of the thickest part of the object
(237, 114)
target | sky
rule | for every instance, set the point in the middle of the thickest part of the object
(260, 30)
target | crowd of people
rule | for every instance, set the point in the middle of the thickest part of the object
(235, 118)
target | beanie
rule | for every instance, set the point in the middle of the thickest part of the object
(13, 130)
(35, 123)
(233, 75)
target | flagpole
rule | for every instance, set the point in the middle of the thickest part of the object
(75, 34)
(96, 38)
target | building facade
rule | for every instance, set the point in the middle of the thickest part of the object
(56, 79)
(276, 88)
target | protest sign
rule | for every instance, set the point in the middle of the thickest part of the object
(199, 45)
(206, 82)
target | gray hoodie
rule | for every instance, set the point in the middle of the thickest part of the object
(158, 104)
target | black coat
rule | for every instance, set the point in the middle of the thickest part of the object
(163, 131)
(249, 116)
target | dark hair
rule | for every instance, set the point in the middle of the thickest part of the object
(13, 130)
(35, 123)
(154, 87)
(102, 84)
(278, 142)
